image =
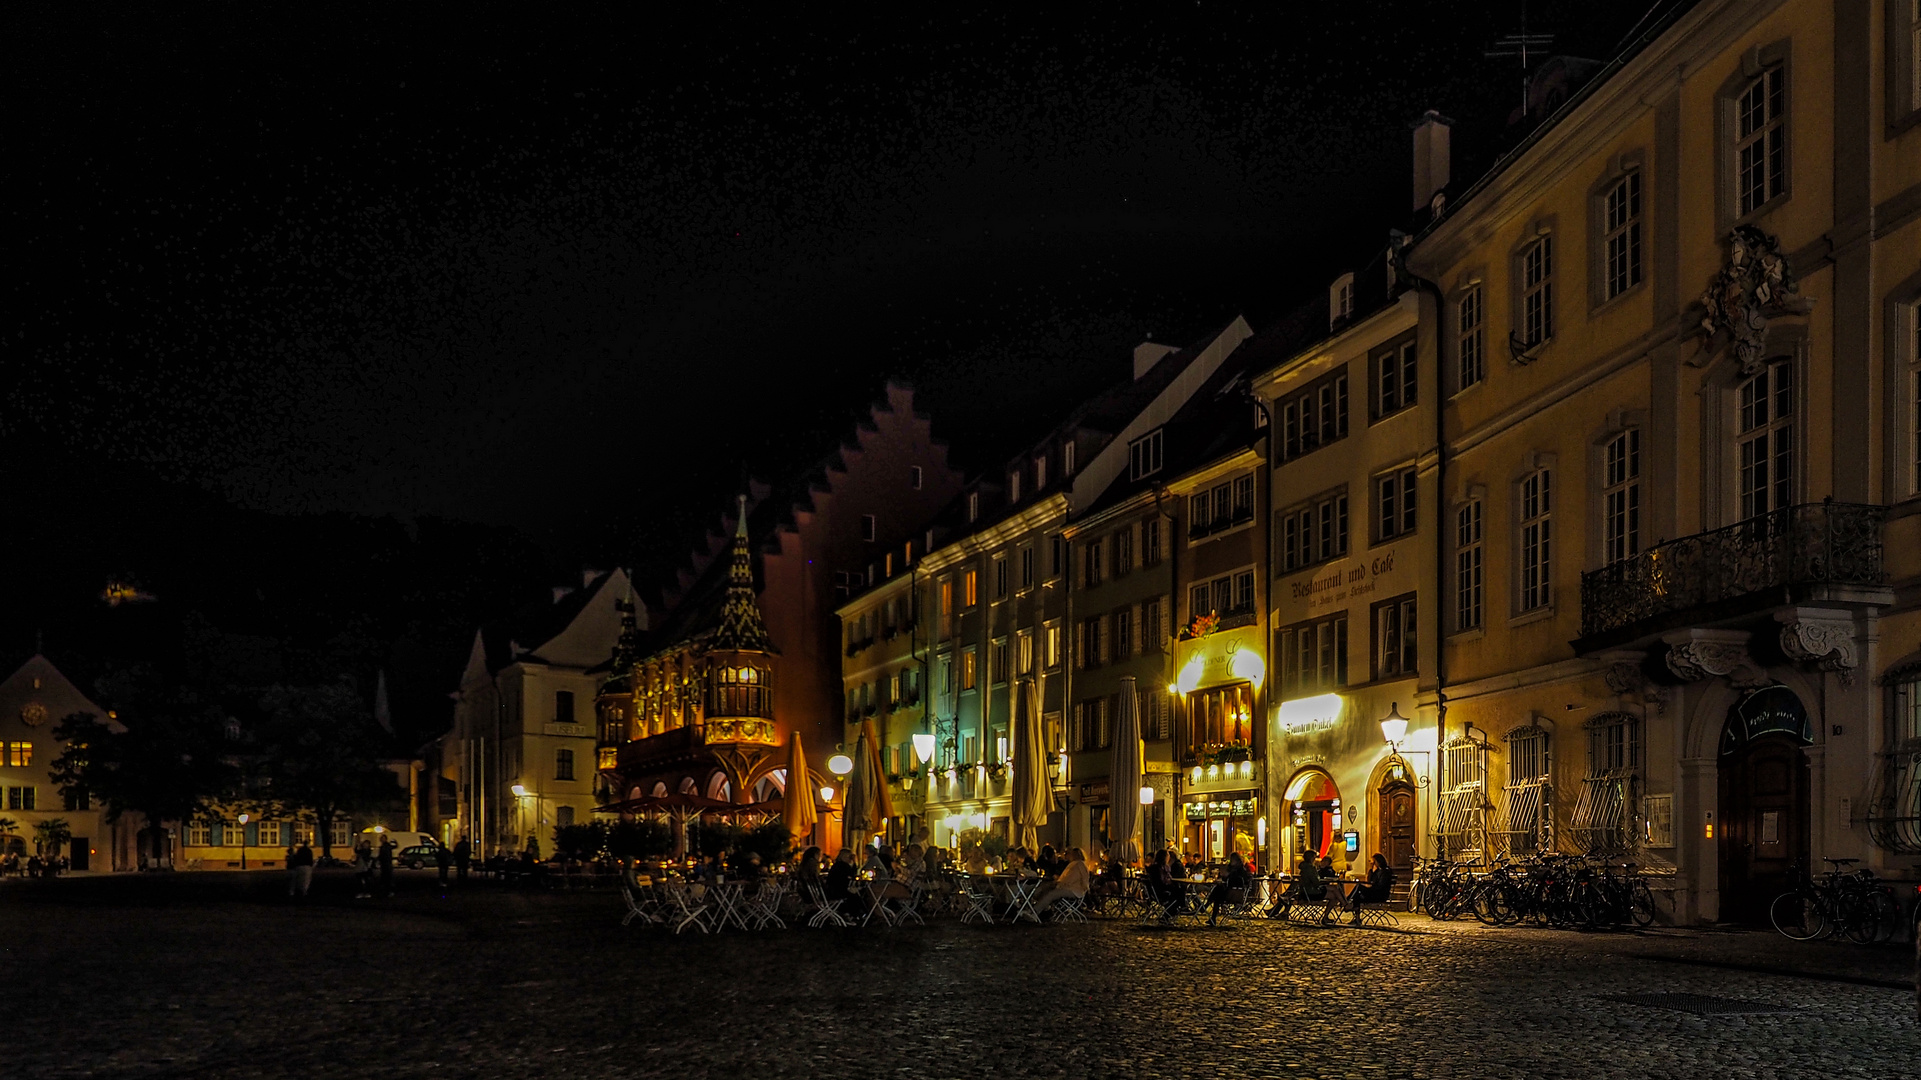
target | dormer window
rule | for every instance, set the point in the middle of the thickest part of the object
(1014, 486)
(973, 506)
(1040, 472)
(1340, 300)
(1067, 459)
(1144, 455)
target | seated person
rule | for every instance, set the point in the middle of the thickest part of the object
(1380, 882)
(1234, 878)
(840, 881)
(976, 860)
(1072, 882)
(1307, 887)
(1162, 887)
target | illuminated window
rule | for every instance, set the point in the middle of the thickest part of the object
(269, 834)
(340, 833)
(1051, 646)
(970, 673)
(199, 834)
(970, 588)
(1220, 716)
(1024, 652)
(19, 754)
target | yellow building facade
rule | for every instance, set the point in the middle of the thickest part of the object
(1682, 557)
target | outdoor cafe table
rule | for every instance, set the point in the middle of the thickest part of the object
(1020, 892)
(730, 904)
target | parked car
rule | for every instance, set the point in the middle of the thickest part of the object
(417, 856)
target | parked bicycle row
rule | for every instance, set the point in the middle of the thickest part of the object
(1842, 903)
(1563, 891)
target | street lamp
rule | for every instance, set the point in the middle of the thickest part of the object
(520, 813)
(1394, 726)
(840, 765)
(924, 747)
(243, 841)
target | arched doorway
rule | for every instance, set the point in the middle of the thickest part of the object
(1763, 777)
(1394, 819)
(1313, 808)
(772, 785)
(719, 789)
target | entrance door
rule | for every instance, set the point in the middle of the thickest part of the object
(1764, 824)
(1394, 828)
(79, 860)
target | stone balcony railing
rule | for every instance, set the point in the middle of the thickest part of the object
(1777, 558)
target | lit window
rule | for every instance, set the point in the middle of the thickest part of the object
(1313, 656)
(1537, 539)
(19, 754)
(1470, 340)
(970, 588)
(970, 673)
(199, 834)
(269, 834)
(1051, 646)
(1621, 498)
(1760, 147)
(1621, 235)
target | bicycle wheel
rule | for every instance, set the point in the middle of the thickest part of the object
(1798, 915)
(1887, 913)
(1641, 904)
(1487, 903)
(1859, 920)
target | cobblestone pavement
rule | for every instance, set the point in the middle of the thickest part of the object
(196, 975)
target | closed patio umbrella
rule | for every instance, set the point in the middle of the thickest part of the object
(798, 814)
(868, 806)
(1033, 799)
(1124, 777)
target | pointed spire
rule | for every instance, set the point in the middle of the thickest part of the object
(627, 648)
(740, 622)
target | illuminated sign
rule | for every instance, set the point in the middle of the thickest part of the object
(1220, 808)
(1304, 715)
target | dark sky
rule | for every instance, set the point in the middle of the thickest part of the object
(566, 274)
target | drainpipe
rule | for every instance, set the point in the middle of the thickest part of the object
(1170, 552)
(1440, 537)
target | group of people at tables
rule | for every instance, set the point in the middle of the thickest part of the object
(884, 878)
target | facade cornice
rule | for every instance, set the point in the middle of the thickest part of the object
(1040, 515)
(1570, 142)
(1131, 505)
(1588, 375)
(1187, 482)
(1363, 335)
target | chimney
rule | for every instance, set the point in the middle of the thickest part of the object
(1146, 355)
(1432, 157)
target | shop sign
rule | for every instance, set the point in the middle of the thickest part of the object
(1203, 810)
(1095, 791)
(1768, 709)
(1303, 716)
(1341, 583)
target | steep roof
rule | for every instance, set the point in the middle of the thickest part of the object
(576, 630)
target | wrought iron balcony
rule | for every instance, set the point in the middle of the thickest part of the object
(1776, 558)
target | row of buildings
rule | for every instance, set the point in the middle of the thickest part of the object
(1585, 515)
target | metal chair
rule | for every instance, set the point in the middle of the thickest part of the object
(763, 908)
(980, 900)
(689, 911)
(1068, 909)
(821, 911)
(647, 910)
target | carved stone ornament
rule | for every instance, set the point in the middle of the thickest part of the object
(1755, 284)
(33, 714)
(1697, 660)
(1826, 643)
(1629, 680)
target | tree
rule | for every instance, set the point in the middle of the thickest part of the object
(168, 759)
(319, 751)
(51, 835)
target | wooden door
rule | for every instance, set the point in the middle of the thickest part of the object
(1394, 828)
(1764, 825)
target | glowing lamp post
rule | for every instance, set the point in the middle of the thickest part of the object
(840, 765)
(923, 747)
(1394, 726)
(243, 841)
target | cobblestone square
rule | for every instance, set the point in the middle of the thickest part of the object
(211, 975)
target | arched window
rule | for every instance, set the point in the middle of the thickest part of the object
(718, 788)
(660, 789)
(688, 787)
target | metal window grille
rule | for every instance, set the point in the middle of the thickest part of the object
(1604, 812)
(1463, 801)
(1894, 809)
(1528, 794)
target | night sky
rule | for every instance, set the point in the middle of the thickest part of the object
(573, 276)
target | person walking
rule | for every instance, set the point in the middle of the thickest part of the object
(299, 871)
(463, 857)
(364, 868)
(387, 846)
